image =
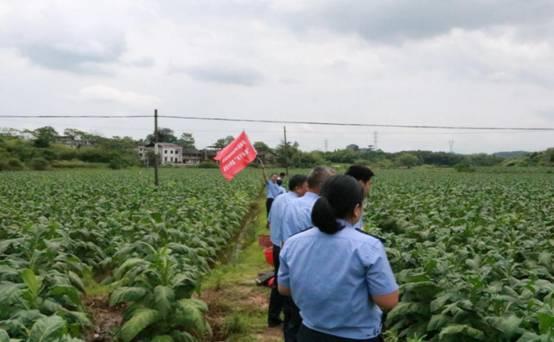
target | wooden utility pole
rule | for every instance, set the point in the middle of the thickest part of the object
(286, 151)
(156, 151)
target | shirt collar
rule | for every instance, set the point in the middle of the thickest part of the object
(310, 194)
(345, 223)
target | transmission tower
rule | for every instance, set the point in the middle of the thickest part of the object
(451, 146)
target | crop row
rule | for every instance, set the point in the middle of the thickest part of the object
(148, 247)
(473, 254)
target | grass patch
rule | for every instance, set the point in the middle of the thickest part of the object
(238, 308)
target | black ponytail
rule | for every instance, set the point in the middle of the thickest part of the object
(339, 197)
(323, 216)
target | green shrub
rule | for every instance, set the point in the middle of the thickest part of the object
(207, 165)
(14, 164)
(39, 164)
(75, 164)
(116, 163)
(464, 167)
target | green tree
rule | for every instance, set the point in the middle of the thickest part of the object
(407, 160)
(44, 136)
(187, 141)
(165, 135)
(221, 143)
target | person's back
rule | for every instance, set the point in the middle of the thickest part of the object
(339, 277)
(327, 297)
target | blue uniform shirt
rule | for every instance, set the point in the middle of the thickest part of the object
(298, 215)
(276, 216)
(272, 190)
(333, 277)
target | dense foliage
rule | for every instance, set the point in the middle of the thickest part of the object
(473, 253)
(58, 228)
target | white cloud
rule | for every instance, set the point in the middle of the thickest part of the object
(102, 93)
(399, 61)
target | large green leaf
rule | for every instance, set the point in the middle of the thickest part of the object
(4, 337)
(127, 294)
(456, 331)
(48, 329)
(164, 298)
(404, 309)
(162, 338)
(141, 319)
(32, 281)
(190, 315)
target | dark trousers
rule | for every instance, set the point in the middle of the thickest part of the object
(292, 321)
(306, 334)
(268, 203)
(276, 301)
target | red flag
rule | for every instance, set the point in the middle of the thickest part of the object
(236, 156)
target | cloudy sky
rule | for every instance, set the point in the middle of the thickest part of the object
(442, 62)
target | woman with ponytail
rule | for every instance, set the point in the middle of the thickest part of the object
(338, 276)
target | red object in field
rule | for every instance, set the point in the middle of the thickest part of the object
(264, 240)
(236, 156)
(268, 253)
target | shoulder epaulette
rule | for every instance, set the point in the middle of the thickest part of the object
(302, 231)
(383, 241)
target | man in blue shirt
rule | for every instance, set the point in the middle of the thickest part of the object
(272, 189)
(363, 175)
(296, 218)
(298, 186)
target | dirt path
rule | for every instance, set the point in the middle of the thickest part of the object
(238, 307)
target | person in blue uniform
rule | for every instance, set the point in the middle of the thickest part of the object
(339, 277)
(298, 186)
(363, 175)
(272, 189)
(297, 217)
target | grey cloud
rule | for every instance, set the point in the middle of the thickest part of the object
(244, 76)
(398, 20)
(145, 62)
(73, 59)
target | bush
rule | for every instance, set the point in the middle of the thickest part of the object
(74, 164)
(464, 167)
(116, 163)
(39, 164)
(208, 165)
(14, 165)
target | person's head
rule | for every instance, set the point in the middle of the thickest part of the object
(298, 184)
(363, 175)
(318, 176)
(282, 175)
(274, 177)
(341, 198)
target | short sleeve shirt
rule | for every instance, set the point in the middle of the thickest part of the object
(272, 190)
(276, 216)
(298, 215)
(333, 277)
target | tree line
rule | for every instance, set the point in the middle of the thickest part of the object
(44, 147)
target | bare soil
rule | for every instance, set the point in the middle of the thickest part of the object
(105, 319)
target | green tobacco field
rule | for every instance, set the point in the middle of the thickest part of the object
(471, 251)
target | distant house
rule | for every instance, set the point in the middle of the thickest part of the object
(169, 153)
(73, 141)
(195, 157)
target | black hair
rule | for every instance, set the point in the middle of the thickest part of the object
(296, 180)
(282, 174)
(339, 197)
(360, 173)
(318, 175)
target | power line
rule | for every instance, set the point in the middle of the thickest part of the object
(289, 122)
